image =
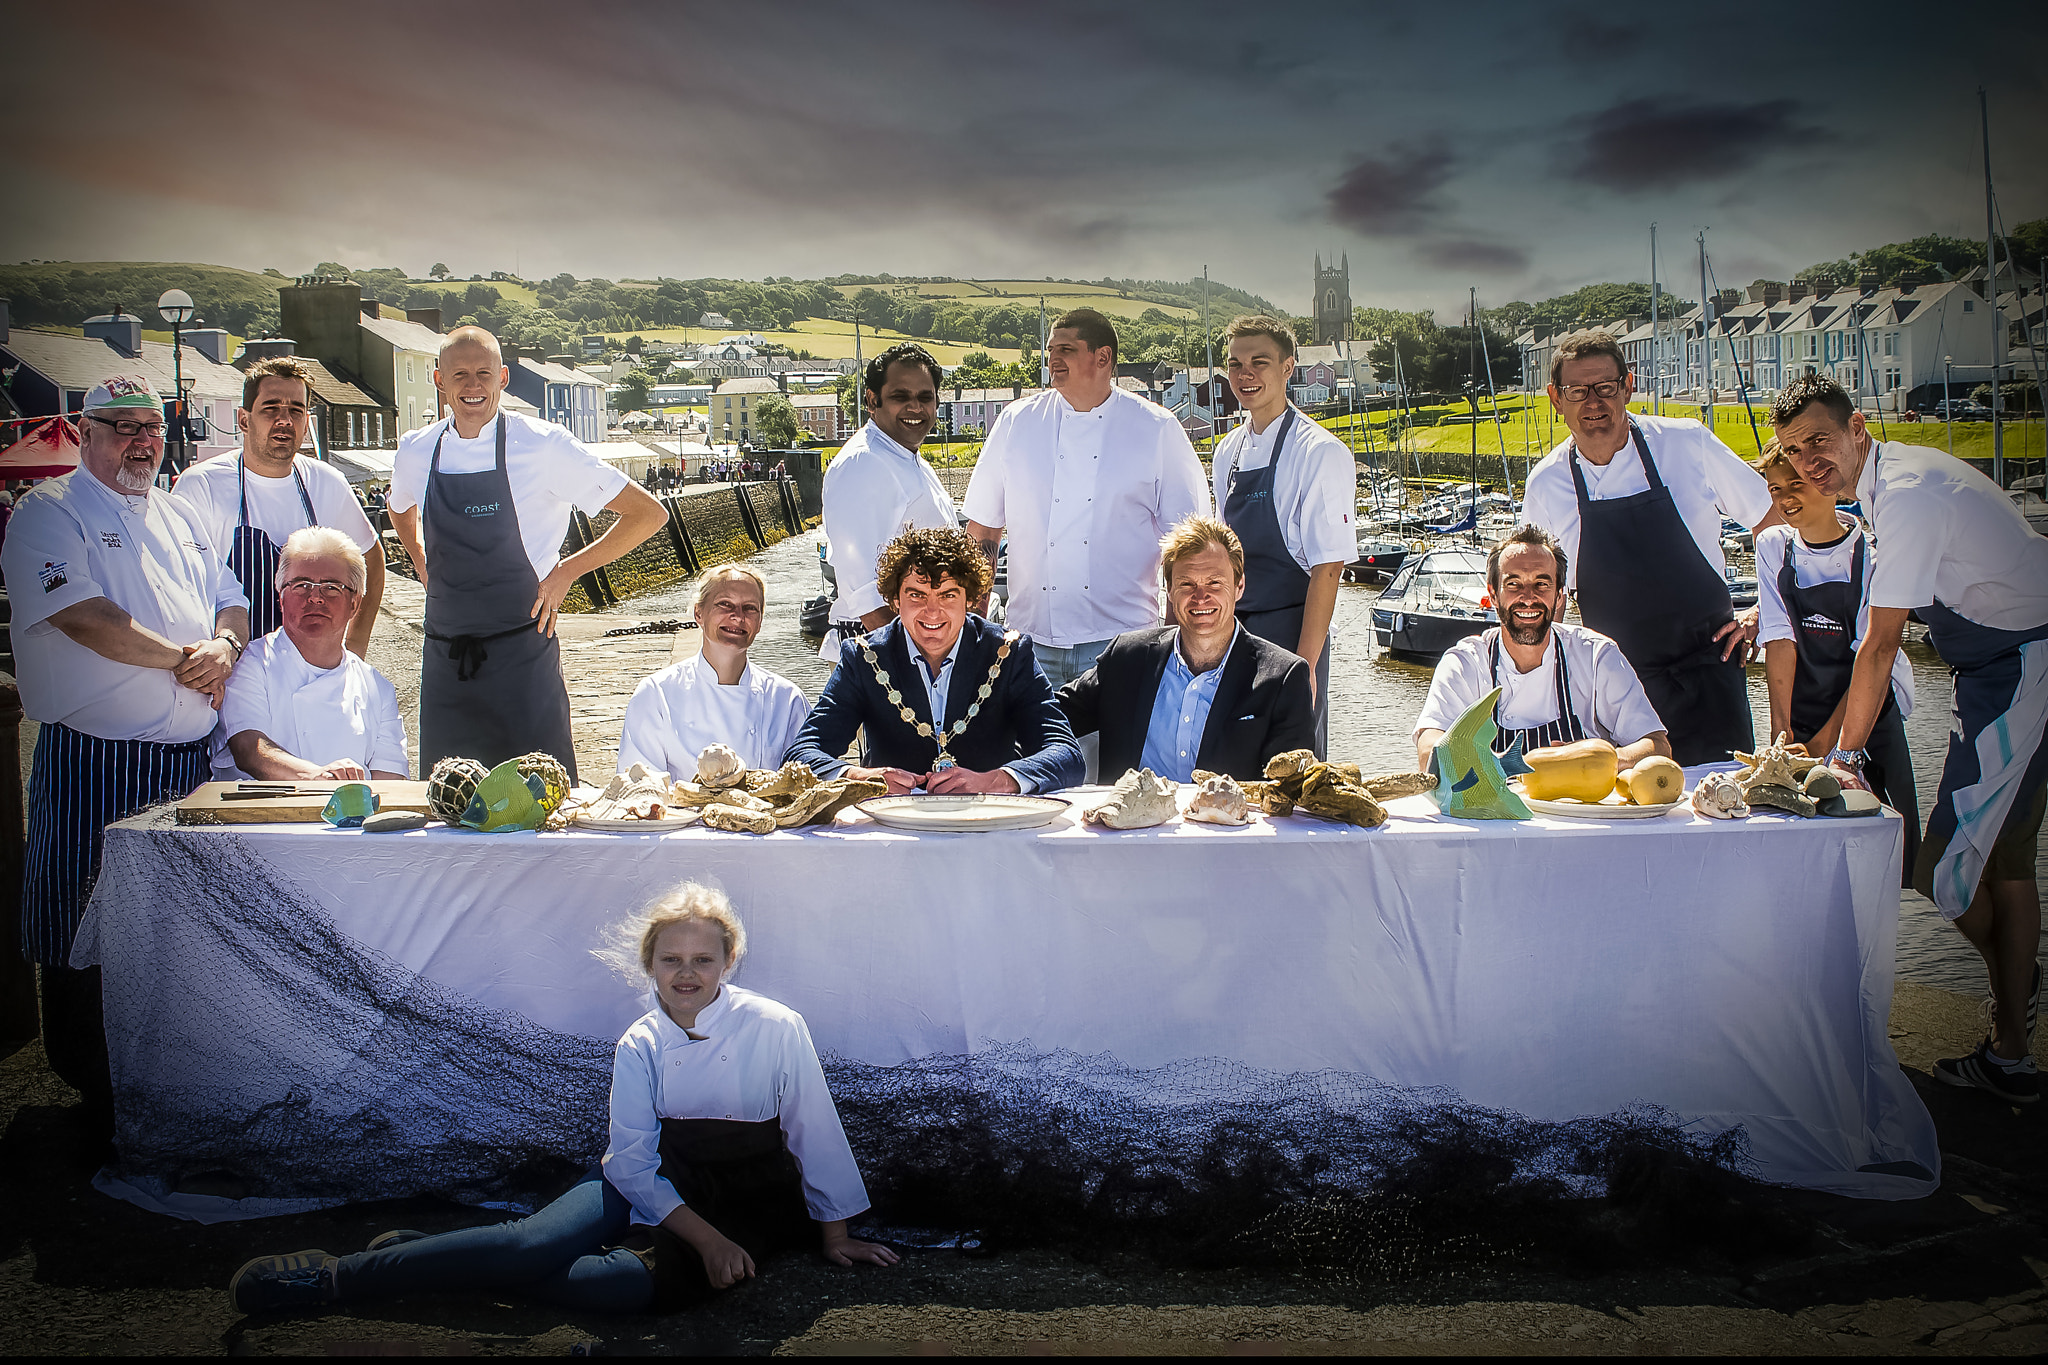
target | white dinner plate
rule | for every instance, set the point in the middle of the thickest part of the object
(965, 814)
(660, 826)
(1598, 810)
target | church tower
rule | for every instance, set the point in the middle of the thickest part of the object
(1331, 303)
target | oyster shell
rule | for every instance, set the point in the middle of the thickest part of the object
(1389, 786)
(1719, 796)
(791, 779)
(1326, 792)
(719, 767)
(1293, 763)
(1219, 801)
(817, 804)
(738, 820)
(1142, 798)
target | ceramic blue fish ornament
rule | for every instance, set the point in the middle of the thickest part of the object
(350, 805)
(507, 800)
(1471, 779)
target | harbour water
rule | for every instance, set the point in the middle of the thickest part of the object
(1374, 699)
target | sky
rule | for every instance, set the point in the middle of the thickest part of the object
(1522, 151)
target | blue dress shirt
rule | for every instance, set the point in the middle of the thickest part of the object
(1180, 712)
(938, 688)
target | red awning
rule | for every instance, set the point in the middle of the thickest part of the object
(47, 449)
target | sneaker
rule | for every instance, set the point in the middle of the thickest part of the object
(396, 1237)
(2033, 1004)
(304, 1279)
(2014, 1085)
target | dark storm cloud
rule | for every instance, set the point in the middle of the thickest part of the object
(1471, 253)
(1644, 144)
(1393, 195)
(1588, 37)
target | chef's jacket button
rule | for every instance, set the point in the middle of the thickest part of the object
(722, 1059)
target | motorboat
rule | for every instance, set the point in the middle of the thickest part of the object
(1434, 602)
(1378, 556)
(1734, 530)
(1741, 587)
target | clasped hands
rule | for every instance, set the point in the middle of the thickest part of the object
(206, 667)
(955, 781)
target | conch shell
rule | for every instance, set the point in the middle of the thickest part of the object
(1219, 801)
(1718, 796)
(1142, 798)
(719, 767)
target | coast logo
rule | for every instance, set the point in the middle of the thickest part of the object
(52, 574)
(489, 509)
(1254, 497)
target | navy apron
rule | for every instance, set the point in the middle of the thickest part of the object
(496, 691)
(1644, 583)
(1564, 730)
(1823, 634)
(1275, 600)
(252, 557)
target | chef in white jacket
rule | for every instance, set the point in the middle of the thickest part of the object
(301, 706)
(716, 696)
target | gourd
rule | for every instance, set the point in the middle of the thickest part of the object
(1656, 781)
(1583, 771)
(1622, 791)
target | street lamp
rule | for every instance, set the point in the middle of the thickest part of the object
(1948, 407)
(176, 308)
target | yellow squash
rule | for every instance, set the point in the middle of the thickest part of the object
(1656, 781)
(1583, 771)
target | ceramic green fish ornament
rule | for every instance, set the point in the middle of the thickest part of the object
(507, 800)
(351, 804)
(1472, 780)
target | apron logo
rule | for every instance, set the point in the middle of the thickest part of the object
(52, 575)
(486, 510)
(1817, 622)
(111, 539)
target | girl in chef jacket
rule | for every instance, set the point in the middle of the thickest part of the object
(725, 1148)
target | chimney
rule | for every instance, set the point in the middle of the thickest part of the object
(263, 348)
(1774, 293)
(429, 318)
(1016, 392)
(1798, 289)
(1912, 279)
(371, 308)
(123, 330)
(210, 342)
(324, 316)
(1869, 282)
(1727, 299)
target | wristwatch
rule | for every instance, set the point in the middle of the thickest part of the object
(1851, 759)
(233, 643)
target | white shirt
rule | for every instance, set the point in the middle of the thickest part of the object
(1707, 481)
(1315, 491)
(1085, 497)
(1811, 566)
(875, 490)
(1606, 695)
(1946, 534)
(212, 491)
(318, 714)
(679, 712)
(550, 472)
(72, 539)
(753, 1061)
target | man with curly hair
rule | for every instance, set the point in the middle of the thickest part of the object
(941, 698)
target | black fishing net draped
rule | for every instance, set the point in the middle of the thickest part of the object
(383, 1084)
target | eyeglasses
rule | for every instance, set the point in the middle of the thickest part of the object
(148, 431)
(1578, 393)
(306, 588)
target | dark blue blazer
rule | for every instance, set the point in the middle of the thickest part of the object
(1020, 726)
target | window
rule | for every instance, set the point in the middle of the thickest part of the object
(1892, 379)
(380, 428)
(408, 370)
(1891, 343)
(1969, 305)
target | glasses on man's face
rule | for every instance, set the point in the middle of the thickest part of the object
(148, 431)
(306, 589)
(1579, 393)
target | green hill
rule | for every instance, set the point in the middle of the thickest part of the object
(66, 293)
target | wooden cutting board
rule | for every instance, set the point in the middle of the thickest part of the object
(205, 806)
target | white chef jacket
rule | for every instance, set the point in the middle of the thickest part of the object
(550, 472)
(215, 496)
(1606, 695)
(1315, 492)
(1707, 481)
(1945, 533)
(682, 710)
(875, 490)
(72, 539)
(1811, 566)
(752, 1061)
(1086, 497)
(318, 714)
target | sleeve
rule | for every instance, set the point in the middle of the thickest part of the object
(632, 1159)
(1183, 485)
(409, 471)
(833, 1188)
(1549, 502)
(387, 746)
(247, 703)
(646, 727)
(1452, 690)
(1912, 539)
(984, 500)
(1081, 701)
(44, 561)
(829, 729)
(1620, 706)
(336, 503)
(1739, 491)
(1775, 622)
(862, 515)
(576, 475)
(1052, 757)
(793, 709)
(1329, 500)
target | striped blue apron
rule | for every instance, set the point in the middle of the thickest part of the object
(1564, 730)
(252, 558)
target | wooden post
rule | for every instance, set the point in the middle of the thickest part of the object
(17, 977)
(593, 586)
(748, 521)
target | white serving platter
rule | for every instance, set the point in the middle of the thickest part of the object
(1599, 810)
(964, 814)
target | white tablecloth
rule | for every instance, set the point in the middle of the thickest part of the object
(1730, 972)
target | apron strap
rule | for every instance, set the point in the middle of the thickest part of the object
(1566, 729)
(1642, 453)
(1279, 444)
(305, 499)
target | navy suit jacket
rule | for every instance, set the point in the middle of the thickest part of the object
(1019, 727)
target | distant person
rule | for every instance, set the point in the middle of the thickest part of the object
(1641, 529)
(1559, 683)
(716, 696)
(251, 503)
(1288, 488)
(1200, 691)
(1951, 545)
(877, 486)
(481, 502)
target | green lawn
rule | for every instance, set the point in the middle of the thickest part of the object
(827, 338)
(506, 289)
(1058, 297)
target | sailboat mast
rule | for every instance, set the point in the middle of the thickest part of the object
(1656, 365)
(1991, 292)
(1706, 339)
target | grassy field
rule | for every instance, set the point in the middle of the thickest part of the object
(1058, 297)
(506, 289)
(828, 338)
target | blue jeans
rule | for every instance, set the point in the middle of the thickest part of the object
(557, 1255)
(1061, 664)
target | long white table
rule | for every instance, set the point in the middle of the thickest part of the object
(265, 983)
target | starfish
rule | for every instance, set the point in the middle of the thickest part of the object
(1774, 766)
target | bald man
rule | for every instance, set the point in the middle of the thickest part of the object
(481, 502)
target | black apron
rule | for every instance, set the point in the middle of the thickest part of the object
(1275, 600)
(495, 691)
(1643, 582)
(1823, 634)
(1564, 730)
(252, 557)
(740, 1178)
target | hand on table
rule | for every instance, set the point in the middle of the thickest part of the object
(844, 1250)
(345, 770)
(961, 781)
(548, 605)
(1740, 634)
(726, 1263)
(899, 781)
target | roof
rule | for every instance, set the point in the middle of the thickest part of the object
(749, 386)
(814, 400)
(327, 386)
(1003, 395)
(410, 336)
(75, 362)
(1338, 353)
(560, 374)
